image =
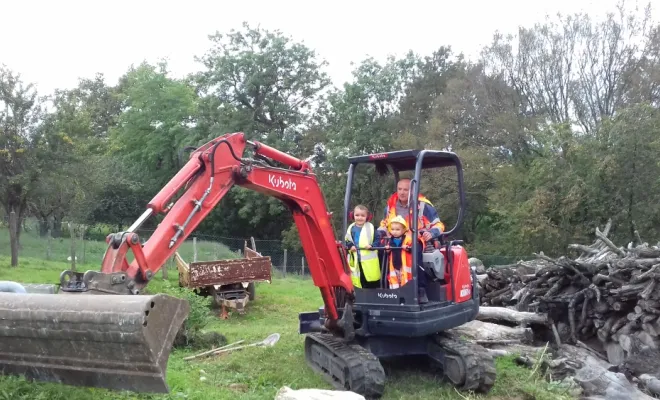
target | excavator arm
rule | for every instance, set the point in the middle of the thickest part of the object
(103, 331)
(212, 170)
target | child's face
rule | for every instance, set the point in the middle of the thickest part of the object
(396, 229)
(360, 216)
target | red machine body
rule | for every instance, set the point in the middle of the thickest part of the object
(461, 281)
(354, 329)
(212, 170)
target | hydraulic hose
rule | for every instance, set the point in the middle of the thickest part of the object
(12, 287)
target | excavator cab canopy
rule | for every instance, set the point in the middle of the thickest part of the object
(408, 160)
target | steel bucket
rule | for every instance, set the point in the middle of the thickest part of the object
(119, 342)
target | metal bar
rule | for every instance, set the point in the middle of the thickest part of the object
(347, 199)
(138, 223)
(414, 193)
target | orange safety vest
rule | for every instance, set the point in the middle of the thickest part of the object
(398, 278)
(422, 221)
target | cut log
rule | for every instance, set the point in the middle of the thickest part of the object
(603, 294)
(596, 379)
(651, 383)
(486, 331)
(615, 354)
(509, 315)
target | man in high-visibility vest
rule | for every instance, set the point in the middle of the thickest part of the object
(360, 237)
(427, 221)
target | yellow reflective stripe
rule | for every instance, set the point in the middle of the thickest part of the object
(369, 234)
(348, 233)
(366, 255)
(366, 238)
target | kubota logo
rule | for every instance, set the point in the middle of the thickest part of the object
(387, 295)
(278, 182)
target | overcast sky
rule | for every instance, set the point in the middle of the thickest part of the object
(53, 43)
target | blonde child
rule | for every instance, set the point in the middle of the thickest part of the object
(360, 238)
(400, 257)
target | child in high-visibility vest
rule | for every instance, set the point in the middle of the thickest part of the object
(400, 260)
(360, 235)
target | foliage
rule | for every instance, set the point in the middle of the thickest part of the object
(555, 125)
(198, 318)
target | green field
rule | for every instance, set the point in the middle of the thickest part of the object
(91, 252)
(253, 373)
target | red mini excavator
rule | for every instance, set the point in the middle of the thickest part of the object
(121, 339)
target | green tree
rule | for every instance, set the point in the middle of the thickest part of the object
(155, 124)
(266, 85)
(27, 149)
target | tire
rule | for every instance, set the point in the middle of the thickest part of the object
(251, 291)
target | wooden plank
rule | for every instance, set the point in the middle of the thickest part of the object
(184, 270)
(249, 253)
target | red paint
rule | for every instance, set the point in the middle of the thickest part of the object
(159, 202)
(462, 277)
(299, 190)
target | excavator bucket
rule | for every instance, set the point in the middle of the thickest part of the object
(119, 342)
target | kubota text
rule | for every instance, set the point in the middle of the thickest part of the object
(278, 182)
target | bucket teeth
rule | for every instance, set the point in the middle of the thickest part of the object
(119, 342)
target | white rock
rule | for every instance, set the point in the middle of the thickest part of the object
(286, 393)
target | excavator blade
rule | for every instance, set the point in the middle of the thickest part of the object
(119, 342)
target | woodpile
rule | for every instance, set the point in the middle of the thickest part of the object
(603, 300)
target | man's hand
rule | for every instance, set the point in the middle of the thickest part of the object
(352, 248)
(368, 246)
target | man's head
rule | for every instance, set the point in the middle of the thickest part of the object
(403, 190)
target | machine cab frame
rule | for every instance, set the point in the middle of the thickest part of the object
(396, 162)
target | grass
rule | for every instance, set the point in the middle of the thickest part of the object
(258, 373)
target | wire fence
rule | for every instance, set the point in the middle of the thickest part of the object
(88, 245)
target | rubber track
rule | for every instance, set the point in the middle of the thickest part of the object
(480, 373)
(365, 374)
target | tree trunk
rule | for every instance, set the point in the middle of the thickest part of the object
(72, 232)
(57, 227)
(43, 226)
(13, 238)
(18, 230)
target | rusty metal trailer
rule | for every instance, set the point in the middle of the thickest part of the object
(231, 283)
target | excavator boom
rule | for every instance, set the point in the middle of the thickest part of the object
(121, 338)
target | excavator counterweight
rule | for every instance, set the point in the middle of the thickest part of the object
(119, 342)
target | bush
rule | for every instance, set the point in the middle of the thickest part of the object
(191, 334)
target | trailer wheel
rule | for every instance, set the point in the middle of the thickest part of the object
(251, 290)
